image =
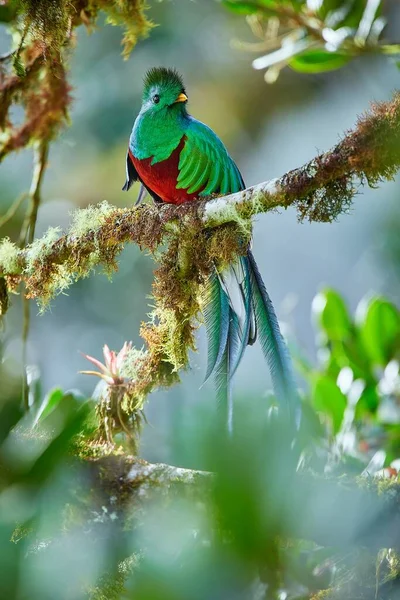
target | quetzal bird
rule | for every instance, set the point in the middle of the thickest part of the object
(177, 158)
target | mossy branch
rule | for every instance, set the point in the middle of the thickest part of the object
(188, 240)
(334, 516)
(324, 188)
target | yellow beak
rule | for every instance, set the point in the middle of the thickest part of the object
(181, 98)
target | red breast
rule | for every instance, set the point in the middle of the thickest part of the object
(162, 177)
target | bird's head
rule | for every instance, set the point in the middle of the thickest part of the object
(163, 90)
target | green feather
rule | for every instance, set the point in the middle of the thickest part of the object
(214, 180)
(273, 344)
(216, 318)
(224, 393)
(185, 173)
(204, 163)
(240, 339)
(203, 178)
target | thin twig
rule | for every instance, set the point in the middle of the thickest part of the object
(40, 163)
(27, 237)
(13, 209)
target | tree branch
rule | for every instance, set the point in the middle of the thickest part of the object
(320, 190)
(324, 187)
(337, 512)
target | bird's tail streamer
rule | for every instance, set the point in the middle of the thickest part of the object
(239, 309)
(273, 345)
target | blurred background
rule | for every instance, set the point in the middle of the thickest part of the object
(310, 518)
(268, 129)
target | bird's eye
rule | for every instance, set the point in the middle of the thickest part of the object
(156, 99)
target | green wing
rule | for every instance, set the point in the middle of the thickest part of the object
(205, 165)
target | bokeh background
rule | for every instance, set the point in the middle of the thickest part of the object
(268, 130)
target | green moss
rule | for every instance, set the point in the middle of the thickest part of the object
(133, 360)
(89, 219)
(9, 257)
(131, 16)
(112, 586)
(38, 251)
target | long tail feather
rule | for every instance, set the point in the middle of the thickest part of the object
(272, 342)
(224, 392)
(238, 309)
(241, 336)
(216, 317)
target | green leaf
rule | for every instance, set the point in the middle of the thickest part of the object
(328, 398)
(328, 7)
(241, 8)
(318, 61)
(331, 314)
(368, 402)
(18, 65)
(380, 330)
(50, 402)
(7, 14)
(67, 421)
(354, 15)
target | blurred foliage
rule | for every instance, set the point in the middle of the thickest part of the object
(82, 519)
(357, 385)
(312, 36)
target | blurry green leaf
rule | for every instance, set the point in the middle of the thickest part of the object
(10, 414)
(329, 7)
(241, 8)
(7, 14)
(18, 65)
(354, 11)
(380, 330)
(352, 353)
(390, 48)
(318, 61)
(68, 422)
(50, 402)
(331, 313)
(368, 402)
(327, 398)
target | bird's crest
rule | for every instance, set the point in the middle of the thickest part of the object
(162, 77)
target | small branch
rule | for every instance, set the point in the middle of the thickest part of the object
(39, 168)
(27, 236)
(13, 209)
